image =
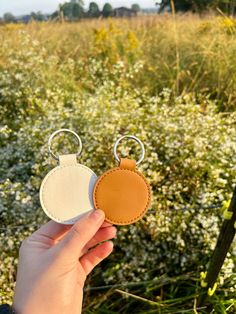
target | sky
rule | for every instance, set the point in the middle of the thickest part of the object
(18, 7)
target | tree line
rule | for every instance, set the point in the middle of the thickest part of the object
(73, 10)
(198, 6)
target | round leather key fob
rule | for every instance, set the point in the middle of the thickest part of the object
(123, 193)
(66, 191)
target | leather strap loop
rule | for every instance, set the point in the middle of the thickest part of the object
(66, 160)
(126, 163)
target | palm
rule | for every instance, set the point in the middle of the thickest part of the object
(54, 262)
(41, 242)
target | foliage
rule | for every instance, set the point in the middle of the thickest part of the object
(228, 6)
(72, 10)
(8, 17)
(136, 7)
(93, 10)
(104, 90)
(107, 10)
(37, 16)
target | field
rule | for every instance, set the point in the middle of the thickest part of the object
(170, 81)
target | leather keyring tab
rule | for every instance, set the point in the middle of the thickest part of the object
(66, 191)
(123, 193)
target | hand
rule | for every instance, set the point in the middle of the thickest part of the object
(54, 262)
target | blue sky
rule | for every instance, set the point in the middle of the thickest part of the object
(18, 7)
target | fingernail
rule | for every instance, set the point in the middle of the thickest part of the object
(97, 214)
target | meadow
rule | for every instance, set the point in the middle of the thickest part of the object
(171, 81)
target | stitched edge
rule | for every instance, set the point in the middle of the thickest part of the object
(147, 185)
(42, 194)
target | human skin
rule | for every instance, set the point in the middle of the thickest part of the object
(54, 262)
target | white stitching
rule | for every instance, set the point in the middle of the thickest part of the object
(46, 179)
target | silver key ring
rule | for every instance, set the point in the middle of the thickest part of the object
(134, 138)
(60, 131)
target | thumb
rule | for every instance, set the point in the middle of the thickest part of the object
(81, 233)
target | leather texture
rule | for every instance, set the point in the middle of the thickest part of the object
(66, 191)
(122, 193)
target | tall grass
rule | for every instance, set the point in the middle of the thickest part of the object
(161, 78)
(187, 54)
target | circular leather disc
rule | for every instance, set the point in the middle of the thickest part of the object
(66, 192)
(124, 195)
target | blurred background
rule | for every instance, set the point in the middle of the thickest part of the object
(164, 71)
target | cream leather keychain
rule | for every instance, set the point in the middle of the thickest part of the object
(123, 193)
(66, 191)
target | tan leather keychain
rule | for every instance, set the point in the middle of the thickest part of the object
(123, 193)
(66, 191)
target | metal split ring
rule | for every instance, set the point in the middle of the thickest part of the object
(134, 138)
(60, 131)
